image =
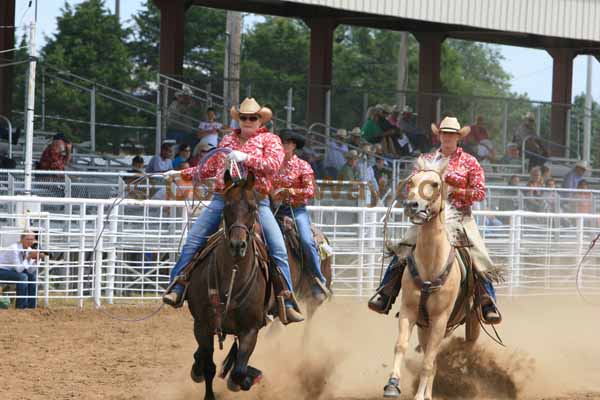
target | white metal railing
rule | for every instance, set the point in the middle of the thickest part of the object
(109, 251)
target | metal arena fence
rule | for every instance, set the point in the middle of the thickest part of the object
(121, 250)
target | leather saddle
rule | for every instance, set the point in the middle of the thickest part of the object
(292, 238)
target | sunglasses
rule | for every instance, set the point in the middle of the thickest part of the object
(248, 118)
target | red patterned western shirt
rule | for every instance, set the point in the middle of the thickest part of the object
(465, 175)
(53, 157)
(265, 155)
(296, 175)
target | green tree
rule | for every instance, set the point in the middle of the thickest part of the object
(89, 42)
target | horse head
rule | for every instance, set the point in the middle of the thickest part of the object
(239, 214)
(426, 192)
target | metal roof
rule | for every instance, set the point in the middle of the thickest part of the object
(569, 19)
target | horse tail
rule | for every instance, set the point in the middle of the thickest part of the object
(229, 361)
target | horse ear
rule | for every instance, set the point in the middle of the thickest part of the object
(250, 179)
(227, 179)
(421, 163)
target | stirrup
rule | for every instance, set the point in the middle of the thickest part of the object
(322, 286)
(180, 299)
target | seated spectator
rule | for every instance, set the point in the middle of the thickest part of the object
(349, 171)
(485, 151)
(134, 190)
(535, 176)
(476, 135)
(334, 156)
(419, 140)
(313, 158)
(572, 178)
(380, 168)
(534, 199)
(162, 162)
(57, 154)
(200, 151)
(511, 157)
(209, 129)
(137, 165)
(535, 151)
(552, 197)
(18, 264)
(355, 139)
(510, 197)
(181, 116)
(183, 155)
(584, 203)
(365, 171)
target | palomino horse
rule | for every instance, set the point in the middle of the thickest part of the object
(229, 292)
(431, 290)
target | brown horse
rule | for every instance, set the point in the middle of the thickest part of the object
(303, 278)
(231, 269)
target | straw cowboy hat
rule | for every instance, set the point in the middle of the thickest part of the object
(351, 155)
(582, 165)
(251, 107)
(451, 125)
(341, 133)
(355, 131)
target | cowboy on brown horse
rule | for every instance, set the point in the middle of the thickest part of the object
(466, 185)
(260, 152)
(294, 187)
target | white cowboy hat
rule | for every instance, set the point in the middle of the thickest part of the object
(582, 164)
(185, 91)
(451, 125)
(355, 131)
(341, 133)
(250, 106)
(407, 110)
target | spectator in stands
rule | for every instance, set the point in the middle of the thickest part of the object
(380, 168)
(314, 159)
(418, 140)
(19, 264)
(475, 136)
(534, 199)
(334, 157)
(535, 151)
(137, 165)
(209, 129)
(181, 116)
(377, 127)
(378, 149)
(162, 162)
(355, 137)
(57, 154)
(573, 177)
(584, 204)
(365, 170)
(350, 172)
(535, 176)
(183, 155)
(545, 173)
(199, 151)
(511, 157)
(551, 197)
(134, 191)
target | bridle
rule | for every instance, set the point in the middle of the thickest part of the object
(441, 192)
(228, 229)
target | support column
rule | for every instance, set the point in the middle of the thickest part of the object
(172, 24)
(562, 84)
(7, 41)
(430, 82)
(320, 66)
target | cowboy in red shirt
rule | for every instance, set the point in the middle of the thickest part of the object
(261, 152)
(294, 186)
(466, 185)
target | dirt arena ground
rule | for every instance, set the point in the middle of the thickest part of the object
(552, 353)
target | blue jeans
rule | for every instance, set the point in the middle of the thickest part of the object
(208, 223)
(26, 287)
(309, 247)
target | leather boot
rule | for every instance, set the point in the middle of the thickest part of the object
(380, 303)
(172, 299)
(293, 315)
(491, 315)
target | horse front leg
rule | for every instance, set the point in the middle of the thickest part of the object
(244, 375)
(204, 368)
(406, 323)
(437, 331)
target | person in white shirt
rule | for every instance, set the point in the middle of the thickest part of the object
(209, 130)
(18, 264)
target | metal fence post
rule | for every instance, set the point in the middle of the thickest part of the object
(328, 110)
(81, 263)
(538, 121)
(99, 245)
(361, 248)
(93, 118)
(159, 119)
(249, 90)
(46, 245)
(112, 253)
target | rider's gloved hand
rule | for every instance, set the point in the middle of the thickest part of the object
(237, 156)
(171, 173)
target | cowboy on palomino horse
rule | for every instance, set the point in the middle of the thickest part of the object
(261, 152)
(466, 185)
(294, 186)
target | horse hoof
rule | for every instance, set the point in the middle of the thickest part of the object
(232, 386)
(392, 389)
(197, 376)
